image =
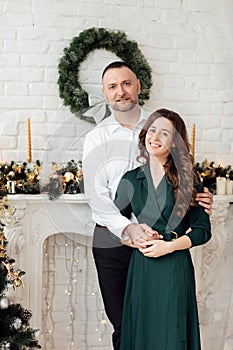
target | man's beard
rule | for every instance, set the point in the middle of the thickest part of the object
(123, 107)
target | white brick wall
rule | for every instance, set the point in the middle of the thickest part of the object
(187, 44)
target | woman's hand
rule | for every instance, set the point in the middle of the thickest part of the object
(157, 248)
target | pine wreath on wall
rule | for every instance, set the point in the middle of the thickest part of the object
(89, 40)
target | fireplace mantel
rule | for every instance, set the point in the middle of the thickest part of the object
(36, 218)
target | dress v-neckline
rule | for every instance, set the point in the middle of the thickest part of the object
(150, 180)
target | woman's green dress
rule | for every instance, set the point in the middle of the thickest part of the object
(160, 309)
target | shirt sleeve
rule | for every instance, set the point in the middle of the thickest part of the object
(199, 221)
(104, 211)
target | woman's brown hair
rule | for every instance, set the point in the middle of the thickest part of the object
(179, 165)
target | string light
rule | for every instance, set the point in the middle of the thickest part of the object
(77, 271)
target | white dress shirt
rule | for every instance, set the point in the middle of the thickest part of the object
(109, 151)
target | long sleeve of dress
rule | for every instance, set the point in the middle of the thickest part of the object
(124, 196)
(199, 223)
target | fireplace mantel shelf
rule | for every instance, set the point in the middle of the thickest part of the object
(80, 197)
(77, 198)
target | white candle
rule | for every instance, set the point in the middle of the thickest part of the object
(11, 186)
(221, 185)
(229, 186)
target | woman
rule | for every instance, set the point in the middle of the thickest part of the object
(160, 310)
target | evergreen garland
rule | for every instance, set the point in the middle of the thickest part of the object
(89, 40)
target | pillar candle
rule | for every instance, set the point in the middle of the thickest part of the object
(229, 186)
(193, 140)
(29, 146)
(11, 186)
(221, 185)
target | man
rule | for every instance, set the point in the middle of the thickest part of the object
(110, 149)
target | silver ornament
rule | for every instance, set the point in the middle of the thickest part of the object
(17, 323)
(4, 302)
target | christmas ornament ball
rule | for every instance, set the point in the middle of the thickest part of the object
(4, 302)
(68, 176)
(17, 282)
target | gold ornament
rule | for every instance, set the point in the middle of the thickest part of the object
(68, 176)
(17, 283)
(6, 212)
(2, 240)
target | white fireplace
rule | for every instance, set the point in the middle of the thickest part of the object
(41, 233)
(40, 225)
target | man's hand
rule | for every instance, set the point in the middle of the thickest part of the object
(205, 199)
(139, 235)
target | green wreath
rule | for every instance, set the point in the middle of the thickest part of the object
(89, 40)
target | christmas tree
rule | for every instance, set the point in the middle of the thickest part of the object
(15, 331)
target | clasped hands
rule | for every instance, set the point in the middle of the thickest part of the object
(148, 241)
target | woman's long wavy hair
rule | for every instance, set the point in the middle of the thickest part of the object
(179, 165)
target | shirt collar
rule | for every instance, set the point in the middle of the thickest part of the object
(114, 125)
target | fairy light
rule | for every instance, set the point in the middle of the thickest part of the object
(77, 271)
(48, 293)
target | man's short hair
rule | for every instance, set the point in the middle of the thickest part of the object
(117, 64)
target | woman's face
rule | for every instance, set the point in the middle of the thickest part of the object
(159, 138)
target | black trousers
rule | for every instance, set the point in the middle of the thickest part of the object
(112, 262)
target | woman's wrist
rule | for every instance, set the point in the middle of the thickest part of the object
(180, 243)
(171, 247)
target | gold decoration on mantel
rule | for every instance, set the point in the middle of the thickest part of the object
(6, 212)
